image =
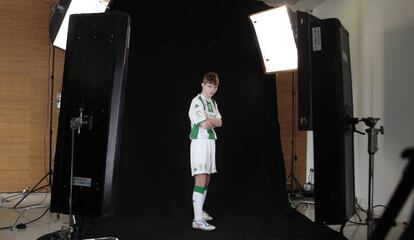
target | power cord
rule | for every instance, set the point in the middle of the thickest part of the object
(363, 210)
(23, 225)
(31, 205)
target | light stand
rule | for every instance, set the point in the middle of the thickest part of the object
(400, 196)
(292, 176)
(76, 123)
(49, 172)
(372, 149)
(72, 231)
(52, 80)
(67, 233)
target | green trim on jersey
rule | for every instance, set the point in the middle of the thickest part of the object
(199, 189)
(209, 107)
(196, 127)
(202, 102)
(194, 131)
(214, 102)
(211, 134)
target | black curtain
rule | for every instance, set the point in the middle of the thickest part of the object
(173, 44)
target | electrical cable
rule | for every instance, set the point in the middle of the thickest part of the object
(8, 227)
(359, 206)
(31, 205)
(31, 221)
(380, 205)
(363, 210)
(34, 220)
(357, 223)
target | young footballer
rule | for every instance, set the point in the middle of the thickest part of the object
(205, 117)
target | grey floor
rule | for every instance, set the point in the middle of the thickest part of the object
(29, 209)
(351, 231)
(39, 202)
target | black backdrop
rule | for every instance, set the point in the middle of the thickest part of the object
(173, 43)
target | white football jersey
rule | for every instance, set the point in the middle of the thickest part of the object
(200, 109)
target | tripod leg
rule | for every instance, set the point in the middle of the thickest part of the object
(396, 203)
(299, 186)
(31, 190)
(358, 216)
(37, 189)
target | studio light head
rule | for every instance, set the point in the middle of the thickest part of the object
(58, 27)
(319, 50)
(276, 38)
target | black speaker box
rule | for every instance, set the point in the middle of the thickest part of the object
(333, 137)
(94, 81)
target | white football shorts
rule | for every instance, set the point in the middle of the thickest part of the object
(203, 156)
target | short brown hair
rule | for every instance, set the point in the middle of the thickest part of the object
(211, 77)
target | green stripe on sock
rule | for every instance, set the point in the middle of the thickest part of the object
(199, 189)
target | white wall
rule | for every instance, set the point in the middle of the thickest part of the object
(382, 62)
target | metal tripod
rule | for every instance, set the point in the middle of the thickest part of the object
(49, 173)
(400, 196)
(73, 230)
(372, 149)
(292, 176)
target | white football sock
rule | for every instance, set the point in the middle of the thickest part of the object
(198, 201)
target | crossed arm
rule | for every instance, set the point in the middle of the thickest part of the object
(210, 123)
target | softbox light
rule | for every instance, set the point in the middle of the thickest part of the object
(275, 36)
(319, 50)
(93, 83)
(58, 27)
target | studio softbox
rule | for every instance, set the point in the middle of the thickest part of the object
(93, 86)
(61, 12)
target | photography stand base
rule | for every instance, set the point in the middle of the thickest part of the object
(74, 229)
(33, 189)
(294, 186)
(12, 197)
(22, 212)
(49, 174)
(372, 149)
(70, 233)
(397, 201)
